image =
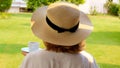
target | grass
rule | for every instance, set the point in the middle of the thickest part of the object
(15, 33)
(103, 43)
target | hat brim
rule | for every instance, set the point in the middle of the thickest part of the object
(43, 31)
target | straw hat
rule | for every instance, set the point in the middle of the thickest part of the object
(61, 23)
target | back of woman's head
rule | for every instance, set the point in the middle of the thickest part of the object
(74, 49)
(61, 23)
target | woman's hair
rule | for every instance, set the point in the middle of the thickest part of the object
(65, 49)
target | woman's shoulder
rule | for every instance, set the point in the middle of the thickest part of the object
(89, 60)
(87, 56)
(85, 53)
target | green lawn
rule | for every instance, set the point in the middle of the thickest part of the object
(103, 43)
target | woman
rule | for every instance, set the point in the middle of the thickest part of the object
(63, 28)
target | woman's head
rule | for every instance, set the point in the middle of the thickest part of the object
(61, 23)
(74, 49)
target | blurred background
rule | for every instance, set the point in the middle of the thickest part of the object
(15, 30)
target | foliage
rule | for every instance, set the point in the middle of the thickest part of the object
(112, 8)
(119, 12)
(93, 11)
(107, 4)
(5, 5)
(75, 1)
(33, 4)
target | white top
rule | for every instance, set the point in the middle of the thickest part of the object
(49, 59)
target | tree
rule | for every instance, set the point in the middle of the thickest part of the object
(5, 5)
(33, 4)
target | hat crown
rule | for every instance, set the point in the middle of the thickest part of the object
(63, 15)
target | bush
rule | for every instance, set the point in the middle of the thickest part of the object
(119, 12)
(93, 11)
(113, 9)
(107, 4)
(5, 5)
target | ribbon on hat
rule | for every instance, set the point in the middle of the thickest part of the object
(60, 29)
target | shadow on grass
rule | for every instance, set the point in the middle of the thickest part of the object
(10, 48)
(107, 38)
(102, 65)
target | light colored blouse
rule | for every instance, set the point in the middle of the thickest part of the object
(49, 59)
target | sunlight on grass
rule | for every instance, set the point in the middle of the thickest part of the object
(105, 23)
(10, 60)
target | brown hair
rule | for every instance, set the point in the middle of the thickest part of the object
(66, 49)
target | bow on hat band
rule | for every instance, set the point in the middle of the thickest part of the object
(60, 29)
